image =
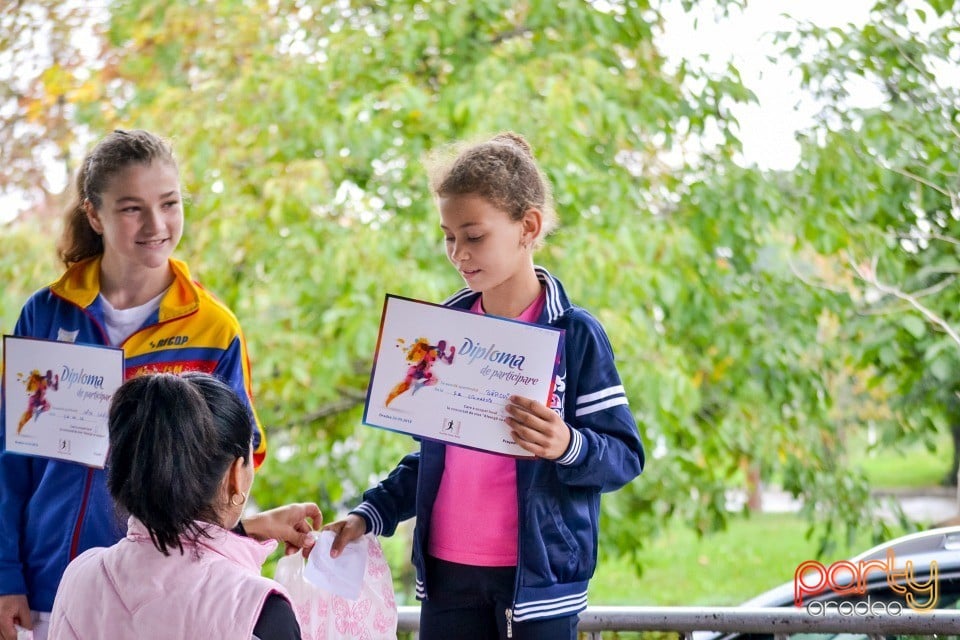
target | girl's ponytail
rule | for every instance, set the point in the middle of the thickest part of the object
(509, 137)
(79, 241)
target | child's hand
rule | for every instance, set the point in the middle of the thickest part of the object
(291, 524)
(537, 428)
(14, 610)
(353, 527)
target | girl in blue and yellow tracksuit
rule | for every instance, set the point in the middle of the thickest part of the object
(118, 240)
(503, 547)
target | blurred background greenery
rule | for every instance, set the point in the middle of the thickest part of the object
(773, 327)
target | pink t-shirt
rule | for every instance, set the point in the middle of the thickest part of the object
(475, 516)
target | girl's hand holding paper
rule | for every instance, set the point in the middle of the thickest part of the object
(341, 575)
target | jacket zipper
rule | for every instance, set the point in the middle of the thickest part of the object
(516, 581)
(75, 542)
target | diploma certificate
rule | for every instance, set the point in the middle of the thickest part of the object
(445, 374)
(57, 396)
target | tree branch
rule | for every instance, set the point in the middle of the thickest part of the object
(923, 181)
(350, 398)
(869, 275)
(503, 36)
(936, 288)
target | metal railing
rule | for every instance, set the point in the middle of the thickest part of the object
(779, 622)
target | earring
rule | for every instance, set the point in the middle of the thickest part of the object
(241, 495)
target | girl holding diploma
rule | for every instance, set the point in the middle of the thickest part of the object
(121, 288)
(504, 547)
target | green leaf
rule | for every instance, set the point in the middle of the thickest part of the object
(914, 325)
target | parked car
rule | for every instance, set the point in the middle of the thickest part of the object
(916, 571)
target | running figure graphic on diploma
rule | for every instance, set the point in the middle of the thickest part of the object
(37, 385)
(421, 355)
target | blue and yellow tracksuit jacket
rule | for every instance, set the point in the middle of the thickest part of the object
(559, 500)
(51, 510)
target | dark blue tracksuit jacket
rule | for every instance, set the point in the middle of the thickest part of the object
(559, 500)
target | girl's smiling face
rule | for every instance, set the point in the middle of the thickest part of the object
(483, 243)
(140, 216)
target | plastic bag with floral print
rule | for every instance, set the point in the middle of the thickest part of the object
(324, 615)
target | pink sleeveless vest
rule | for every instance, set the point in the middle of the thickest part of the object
(131, 590)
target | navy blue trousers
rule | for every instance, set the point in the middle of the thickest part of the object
(472, 603)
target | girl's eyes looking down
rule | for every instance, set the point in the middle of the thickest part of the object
(450, 239)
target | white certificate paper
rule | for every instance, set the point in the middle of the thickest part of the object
(445, 374)
(57, 396)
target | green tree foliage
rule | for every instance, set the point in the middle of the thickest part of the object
(891, 230)
(302, 129)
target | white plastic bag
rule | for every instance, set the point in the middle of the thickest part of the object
(343, 575)
(326, 616)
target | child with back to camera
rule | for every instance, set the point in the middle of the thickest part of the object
(504, 547)
(181, 464)
(122, 288)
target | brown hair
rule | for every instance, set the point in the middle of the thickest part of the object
(110, 156)
(501, 170)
